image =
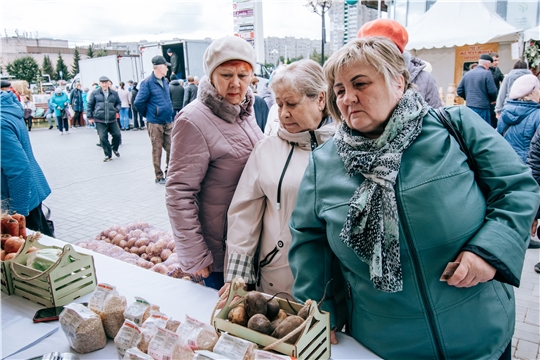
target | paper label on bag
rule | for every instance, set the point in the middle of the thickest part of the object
(232, 347)
(155, 320)
(99, 296)
(73, 316)
(208, 355)
(163, 344)
(128, 337)
(136, 310)
(189, 332)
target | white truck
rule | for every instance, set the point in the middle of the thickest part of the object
(190, 56)
(117, 68)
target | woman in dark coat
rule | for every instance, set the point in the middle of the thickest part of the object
(77, 104)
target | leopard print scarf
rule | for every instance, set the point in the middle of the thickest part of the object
(371, 229)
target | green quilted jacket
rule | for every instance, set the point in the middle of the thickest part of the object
(443, 210)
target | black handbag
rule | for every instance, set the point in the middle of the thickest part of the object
(47, 214)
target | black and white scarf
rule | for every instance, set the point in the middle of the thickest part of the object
(372, 226)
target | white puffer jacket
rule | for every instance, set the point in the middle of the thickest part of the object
(258, 217)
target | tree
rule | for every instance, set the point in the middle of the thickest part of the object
(25, 68)
(102, 53)
(47, 66)
(61, 67)
(291, 60)
(315, 56)
(90, 52)
(76, 59)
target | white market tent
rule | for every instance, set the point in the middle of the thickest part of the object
(452, 23)
(533, 33)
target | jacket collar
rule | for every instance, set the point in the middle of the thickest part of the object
(303, 139)
(222, 108)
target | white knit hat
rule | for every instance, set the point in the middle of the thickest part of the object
(523, 86)
(225, 49)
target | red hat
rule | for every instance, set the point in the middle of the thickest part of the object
(388, 28)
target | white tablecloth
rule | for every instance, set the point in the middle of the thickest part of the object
(176, 297)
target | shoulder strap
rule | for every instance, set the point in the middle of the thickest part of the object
(456, 134)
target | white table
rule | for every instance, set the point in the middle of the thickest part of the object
(176, 297)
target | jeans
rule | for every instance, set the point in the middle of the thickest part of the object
(62, 124)
(103, 130)
(49, 119)
(483, 113)
(215, 280)
(124, 118)
(37, 221)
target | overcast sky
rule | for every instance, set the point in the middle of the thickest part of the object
(83, 22)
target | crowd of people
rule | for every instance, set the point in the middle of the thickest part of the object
(352, 191)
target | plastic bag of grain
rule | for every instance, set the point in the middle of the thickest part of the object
(128, 337)
(110, 306)
(197, 335)
(234, 348)
(166, 345)
(208, 355)
(136, 354)
(139, 311)
(150, 326)
(83, 328)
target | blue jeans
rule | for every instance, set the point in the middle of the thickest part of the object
(124, 118)
(483, 113)
(215, 280)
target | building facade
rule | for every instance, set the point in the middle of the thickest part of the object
(291, 47)
(346, 20)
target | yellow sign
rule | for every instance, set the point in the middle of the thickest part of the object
(467, 56)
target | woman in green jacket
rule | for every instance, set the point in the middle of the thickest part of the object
(393, 198)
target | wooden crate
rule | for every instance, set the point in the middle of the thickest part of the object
(313, 343)
(68, 279)
(7, 284)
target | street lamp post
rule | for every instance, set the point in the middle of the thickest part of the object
(320, 7)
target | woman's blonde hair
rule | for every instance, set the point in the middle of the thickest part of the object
(378, 51)
(305, 77)
(21, 86)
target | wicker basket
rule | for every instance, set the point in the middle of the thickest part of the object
(71, 277)
(7, 284)
(313, 343)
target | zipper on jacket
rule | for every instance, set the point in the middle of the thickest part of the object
(267, 260)
(283, 175)
(313, 139)
(423, 291)
(349, 296)
(106, 107)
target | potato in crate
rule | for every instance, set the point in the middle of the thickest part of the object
(57, 283)
(300, 331)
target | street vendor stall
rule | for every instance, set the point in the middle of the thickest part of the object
(176, 297)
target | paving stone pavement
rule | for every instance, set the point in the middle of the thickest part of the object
(89, 195)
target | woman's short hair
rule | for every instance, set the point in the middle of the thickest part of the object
(520, 64)
(379, 52)
(304, 76)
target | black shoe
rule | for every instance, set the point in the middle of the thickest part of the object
(534, 244)
(98, 145)
(161, 181)
(107, 159)
(537, 268)
(116, 153)
(50, 127)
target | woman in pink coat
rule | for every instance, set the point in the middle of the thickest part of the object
(212, 139)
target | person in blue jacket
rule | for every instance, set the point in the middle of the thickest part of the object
(520, 116)
(153, 102)
(60, 103)
(23, 184)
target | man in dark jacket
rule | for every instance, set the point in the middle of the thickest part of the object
(191, 91)
(153, 102)
(177, 94)
(174, 63)
(103, 106)
(478, 88)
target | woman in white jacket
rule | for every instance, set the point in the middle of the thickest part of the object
(258, 218)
